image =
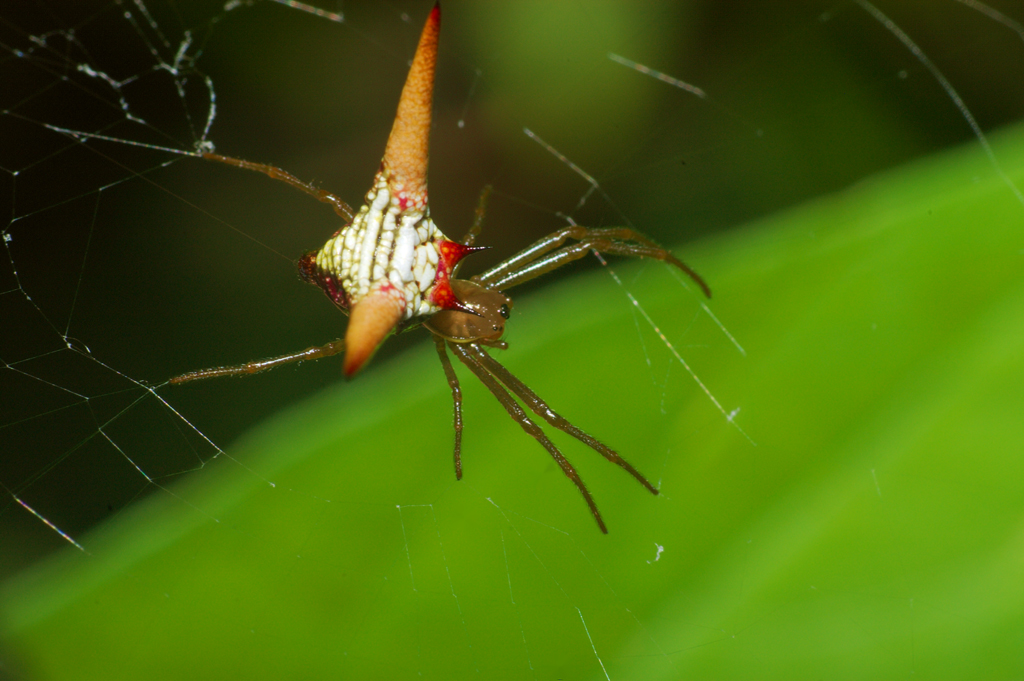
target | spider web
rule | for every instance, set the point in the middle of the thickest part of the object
(128, 261)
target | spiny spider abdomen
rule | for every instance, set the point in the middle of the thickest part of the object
(390, 268)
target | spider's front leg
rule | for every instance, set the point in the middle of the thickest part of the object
(549, 254)
(453, 383)
(481, 319)
(469, 353)
(482, 322)
(540, 407)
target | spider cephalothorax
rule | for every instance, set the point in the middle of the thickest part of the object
(391, 268)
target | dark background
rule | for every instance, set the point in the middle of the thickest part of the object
(158, 264)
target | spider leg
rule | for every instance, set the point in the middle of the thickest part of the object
(539, 407)
(249, 368)
(567, 254)
(462, 351)
(340, 207)
(553, 241)
(453, 383)
(541, 257)
(478, 216)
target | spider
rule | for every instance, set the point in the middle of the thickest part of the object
(391, 269)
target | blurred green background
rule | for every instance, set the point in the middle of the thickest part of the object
(874, 529)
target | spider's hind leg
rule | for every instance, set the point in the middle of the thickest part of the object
(478, 216)
(340, 207)
(249, 368)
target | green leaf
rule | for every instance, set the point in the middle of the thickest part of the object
(865, 523)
